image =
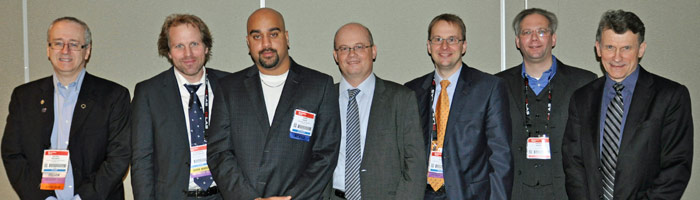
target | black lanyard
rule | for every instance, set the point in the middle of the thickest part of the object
(433, 131)
(527, 106)
(206, 102)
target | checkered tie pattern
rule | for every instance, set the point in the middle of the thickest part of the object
(611, 141)
(442, 112)
(353, 156)
(197, 130)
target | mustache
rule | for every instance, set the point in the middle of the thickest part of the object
(267, 49)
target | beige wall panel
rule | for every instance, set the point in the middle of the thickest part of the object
(125, 34)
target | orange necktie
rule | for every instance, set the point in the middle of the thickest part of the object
(442, 112)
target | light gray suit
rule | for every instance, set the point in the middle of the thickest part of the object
(393, 162)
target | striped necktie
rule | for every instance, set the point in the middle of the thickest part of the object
(353, 155)
(611, 141)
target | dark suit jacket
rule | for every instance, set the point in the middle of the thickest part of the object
(476, 154)
(566, 80)
(160, 165)
(249, 158)
(393, 162)
(98, 141)
(656, 151)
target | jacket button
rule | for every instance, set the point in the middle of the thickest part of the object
(519, 172)
(520, 148)
(600, 169)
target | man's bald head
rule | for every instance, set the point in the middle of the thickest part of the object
(268, 15)
(353, 26)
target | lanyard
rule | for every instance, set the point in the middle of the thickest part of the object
(527, 106)
(433, 132)
(206, 102)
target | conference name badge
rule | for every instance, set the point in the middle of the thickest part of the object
(538, 148)
(199, 167)
(435, 164)
(302, 125)
(54, 169)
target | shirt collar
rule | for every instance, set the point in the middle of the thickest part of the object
(75, 85)
(453, 78)
(366, 86)
(549, 73)
(181, 80)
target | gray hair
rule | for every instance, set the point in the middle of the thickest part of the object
(553, 22)
(88, 34)
(621, 21)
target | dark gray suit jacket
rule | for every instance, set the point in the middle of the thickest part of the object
(99, 138)
(566, 80)
(249, 158)
(656, 151)
(393, 162)
(160, 165)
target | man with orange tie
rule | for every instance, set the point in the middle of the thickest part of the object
(465, 118)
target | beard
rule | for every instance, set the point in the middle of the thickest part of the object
(267, 64)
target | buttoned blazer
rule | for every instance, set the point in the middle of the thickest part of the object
(393, 162)
(249, 158)
(566, 80)
(476, 158)
(656, 150)
(98, 142)
(160, 167)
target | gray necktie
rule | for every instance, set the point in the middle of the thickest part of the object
(353, 157)
(611, 141)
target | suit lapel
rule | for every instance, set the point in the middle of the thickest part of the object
(376, 115)
(255, 95)
(86, 100)
(460, 96)
(170, 96)
(641, 98)
(287, 97)
(46, 111)
(425, 107)
(516, 90)
(561, 90)
(594, 112)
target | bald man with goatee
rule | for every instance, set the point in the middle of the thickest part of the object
(275, 129)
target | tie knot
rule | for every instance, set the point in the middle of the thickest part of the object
(192, 88)
(353, 92)
(618, 87)
(444, 84)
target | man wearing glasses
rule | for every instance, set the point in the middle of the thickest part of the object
(67, 134)
(465, 118)
(539, 89)
(381, 149)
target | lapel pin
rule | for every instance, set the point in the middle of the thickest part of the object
(43, 110)
(82, 106)
(41, 102)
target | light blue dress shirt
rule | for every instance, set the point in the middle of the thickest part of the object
(364, 103)
(65, 98)
(609, 93)
(450, 88)
(537, 85)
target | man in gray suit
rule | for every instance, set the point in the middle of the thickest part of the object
(169, 153)
(275, 127)
(539, 92)
(381, 149)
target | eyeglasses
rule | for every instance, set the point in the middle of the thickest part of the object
(439, 40)
(72, 46)
(358, 47)
(540, 32)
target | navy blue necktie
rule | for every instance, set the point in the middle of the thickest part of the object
(197, 130)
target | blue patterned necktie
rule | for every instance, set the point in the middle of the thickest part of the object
(197, 130)
(611, 141)
(353, 157)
